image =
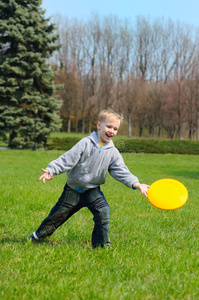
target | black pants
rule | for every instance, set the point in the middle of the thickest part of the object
(69, 203)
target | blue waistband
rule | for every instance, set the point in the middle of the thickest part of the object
(81, 191)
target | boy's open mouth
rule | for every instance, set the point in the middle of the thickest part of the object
(109, 135)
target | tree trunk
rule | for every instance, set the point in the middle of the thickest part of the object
(197, 129)
(13, 135)
(179, 132)
(159, 131)
(76, 123)
(190, 133)
(83, 118)
(83, 123)
(140, 132)
(129, 126)
(69, 125)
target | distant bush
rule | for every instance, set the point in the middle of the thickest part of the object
(55, 143)
(158, 146)
(134, 145)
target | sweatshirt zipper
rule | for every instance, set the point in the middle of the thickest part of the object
(100, 150)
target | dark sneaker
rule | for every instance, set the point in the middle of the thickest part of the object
(31, 238)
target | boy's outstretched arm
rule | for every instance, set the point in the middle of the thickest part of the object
(142, 187)
(45, 176)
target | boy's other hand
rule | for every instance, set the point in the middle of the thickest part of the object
(45, 176)
(142, 187)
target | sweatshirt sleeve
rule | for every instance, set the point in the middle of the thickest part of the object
(68, 160)
(119, 171)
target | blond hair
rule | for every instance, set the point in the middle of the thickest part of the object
(109, 113)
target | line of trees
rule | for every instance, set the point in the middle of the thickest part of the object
(148, 70)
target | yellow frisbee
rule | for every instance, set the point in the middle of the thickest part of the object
(167, 194)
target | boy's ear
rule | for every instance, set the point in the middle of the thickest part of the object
(98, 125)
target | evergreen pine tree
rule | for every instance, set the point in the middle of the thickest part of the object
(26, 78)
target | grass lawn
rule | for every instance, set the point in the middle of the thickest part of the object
(154, 253)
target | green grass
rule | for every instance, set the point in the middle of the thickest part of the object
(154, 253)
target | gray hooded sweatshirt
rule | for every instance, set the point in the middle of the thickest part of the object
(87, 163)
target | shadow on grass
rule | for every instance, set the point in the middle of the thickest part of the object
(22, 240)
(46, 241)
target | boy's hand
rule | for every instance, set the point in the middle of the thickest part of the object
(142, 187)
(45, 176)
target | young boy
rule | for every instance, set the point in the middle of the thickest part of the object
(86, 165)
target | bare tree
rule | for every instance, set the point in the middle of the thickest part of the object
(184, 53)
(107, 60)
(154, 94)
(130, 90)
(113, 63)
(61, 57)
(67, 94)
(143, 48)
(141, 105)
(192, 100)
(91, 44)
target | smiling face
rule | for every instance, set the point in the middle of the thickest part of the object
(107, 129)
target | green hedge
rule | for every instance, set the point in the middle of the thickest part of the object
(158, 146)
(55, 143)
(134, 145)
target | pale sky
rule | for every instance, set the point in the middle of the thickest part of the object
(186, 11)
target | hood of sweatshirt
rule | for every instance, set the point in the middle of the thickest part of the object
(94, 139)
